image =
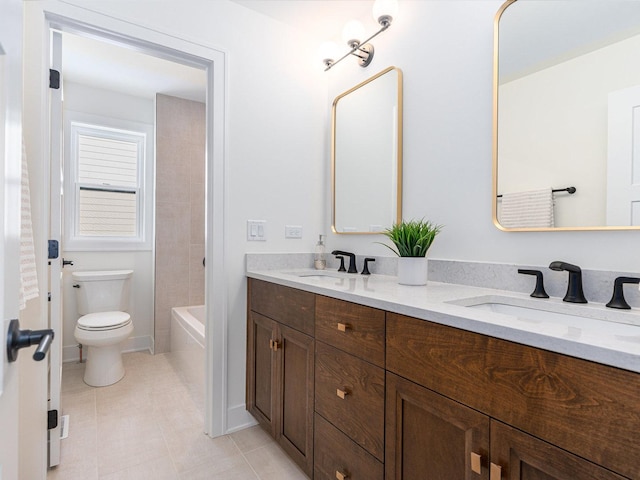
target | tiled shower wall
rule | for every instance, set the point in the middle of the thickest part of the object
(180, 202)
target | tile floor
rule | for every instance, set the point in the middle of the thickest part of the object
(147, 426)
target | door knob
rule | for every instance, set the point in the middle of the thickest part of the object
(17, 339)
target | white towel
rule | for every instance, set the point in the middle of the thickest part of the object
(28, 272)
(531, 209)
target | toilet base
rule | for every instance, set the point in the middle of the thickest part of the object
(104, 366)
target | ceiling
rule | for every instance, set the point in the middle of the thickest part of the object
(104, 65)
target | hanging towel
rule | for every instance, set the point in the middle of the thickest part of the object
(28, 272)
(531, 209)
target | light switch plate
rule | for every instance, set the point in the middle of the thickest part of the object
(293, 231)
(256, 230)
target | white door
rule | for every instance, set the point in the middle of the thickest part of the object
(10, 164)
(623, 162)
(55, 233)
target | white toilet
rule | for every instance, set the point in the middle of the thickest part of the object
(102, 299)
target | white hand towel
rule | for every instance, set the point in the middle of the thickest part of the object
(28, 271)
(531, 209)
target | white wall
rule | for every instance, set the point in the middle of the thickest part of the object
(80, 98)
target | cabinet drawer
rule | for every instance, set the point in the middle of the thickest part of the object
(289, 306)
(353, 328)
(586, 408)
(350, 394)
(336, 454)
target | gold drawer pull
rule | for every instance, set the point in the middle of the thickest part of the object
(341, 476)
(496, 472)
(476, 463)
(343, 327)
(276, 345)
(342, 393)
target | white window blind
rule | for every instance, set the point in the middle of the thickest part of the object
(107, 161)
(107, 179)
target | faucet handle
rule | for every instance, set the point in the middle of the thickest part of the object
(365, 270)
(539, 291)
(617, 299)
(341, 269)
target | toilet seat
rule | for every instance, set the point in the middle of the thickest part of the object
(102, 321)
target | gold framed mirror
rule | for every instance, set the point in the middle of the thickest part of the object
(366, 155)
(566, 86)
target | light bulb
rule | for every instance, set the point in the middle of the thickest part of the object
(328, 52)
(353, 33)
(384, 11)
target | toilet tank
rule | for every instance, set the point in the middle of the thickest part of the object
(102, 291)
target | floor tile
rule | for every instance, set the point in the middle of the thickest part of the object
(251, 438)
(271, 463)
(150, 426)
(157, 469)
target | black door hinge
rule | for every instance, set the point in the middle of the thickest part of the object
(52, 419)
(54, 79)
(53, 249)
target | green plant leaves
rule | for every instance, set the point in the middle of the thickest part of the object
(412, 238)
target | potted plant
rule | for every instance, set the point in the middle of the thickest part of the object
(412, 240)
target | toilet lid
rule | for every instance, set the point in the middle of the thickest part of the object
(103, 320)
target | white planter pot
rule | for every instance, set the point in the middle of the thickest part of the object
(412, 270)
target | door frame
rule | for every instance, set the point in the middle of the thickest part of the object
(83, 22)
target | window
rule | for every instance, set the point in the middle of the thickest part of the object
(105, 187)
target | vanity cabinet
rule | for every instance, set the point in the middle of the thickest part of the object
(354, 392)
(581, 418)
(280, 366)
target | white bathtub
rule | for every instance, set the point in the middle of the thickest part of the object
(187, 349)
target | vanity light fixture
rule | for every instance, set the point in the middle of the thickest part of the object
(383, 12)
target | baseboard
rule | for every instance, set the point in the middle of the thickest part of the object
(238, 419)
(70, 353)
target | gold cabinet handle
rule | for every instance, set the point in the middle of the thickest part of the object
(342, 393)
(276, 345)
(271, 344)
(341, 475)
(476, 463)
(343, 327)
(495, 472)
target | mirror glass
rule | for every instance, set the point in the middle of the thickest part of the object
(567, 91)
(367, 155)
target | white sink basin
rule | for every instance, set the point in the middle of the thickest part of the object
(319, 275)
(559, 318)
(527, 312)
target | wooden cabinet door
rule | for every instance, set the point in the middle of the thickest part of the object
(295, 353)
(261, 371)
(430, 437)
(518, 456)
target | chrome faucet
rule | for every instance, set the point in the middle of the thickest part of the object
(574, 287)
(352, 260)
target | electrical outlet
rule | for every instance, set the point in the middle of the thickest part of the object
(293, 231)
(256, 230)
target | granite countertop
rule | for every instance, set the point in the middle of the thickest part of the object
(591, 332)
